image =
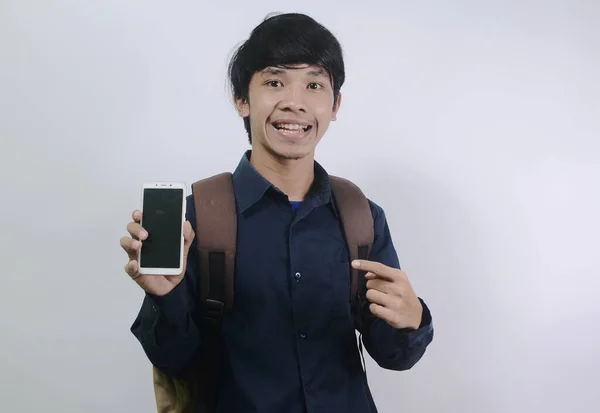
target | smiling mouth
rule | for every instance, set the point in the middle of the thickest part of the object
(291, 127)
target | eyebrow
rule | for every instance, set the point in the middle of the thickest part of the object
(277, 71)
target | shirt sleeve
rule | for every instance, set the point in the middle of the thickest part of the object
(167, 326)
(393, 349)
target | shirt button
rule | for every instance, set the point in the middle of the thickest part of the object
(303, 336)
(297, 276)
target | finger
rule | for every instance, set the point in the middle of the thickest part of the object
(382, 271)
(136, 231)
(131, 246)
(380, 298)
(188, 232)
(370, 276)
(136, 215)
(132, 269)
(385, 286)
(188, 236)
(383, 313)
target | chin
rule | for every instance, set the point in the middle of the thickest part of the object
(287, 154)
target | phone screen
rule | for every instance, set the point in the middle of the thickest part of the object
(161, 217)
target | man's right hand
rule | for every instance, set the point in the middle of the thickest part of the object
(152, 284)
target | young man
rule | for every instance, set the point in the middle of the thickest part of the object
(290, 338)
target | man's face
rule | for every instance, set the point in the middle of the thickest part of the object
(290, 110)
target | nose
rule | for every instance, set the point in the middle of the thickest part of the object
(293, 100)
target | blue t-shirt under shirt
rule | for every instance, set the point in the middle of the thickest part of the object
(296, 204)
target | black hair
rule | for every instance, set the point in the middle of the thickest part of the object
(281, 41)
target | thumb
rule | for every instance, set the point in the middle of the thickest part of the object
(188, 235)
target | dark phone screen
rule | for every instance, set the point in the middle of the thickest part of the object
(161, 217)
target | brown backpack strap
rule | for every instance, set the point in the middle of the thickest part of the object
(216, 233)
(357, 222)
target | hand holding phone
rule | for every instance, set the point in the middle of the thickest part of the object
(160, 238)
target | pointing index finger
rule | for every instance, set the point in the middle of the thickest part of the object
(378, 269)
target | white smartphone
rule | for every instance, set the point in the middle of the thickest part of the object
(163, 216)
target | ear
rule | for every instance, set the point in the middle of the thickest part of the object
(336, 108)
(243, 107)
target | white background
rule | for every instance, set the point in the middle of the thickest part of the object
(475, 125)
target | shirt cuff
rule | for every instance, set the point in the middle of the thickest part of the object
(426, 317)
(171, 306)
(414, 337)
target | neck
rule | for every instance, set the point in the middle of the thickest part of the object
(292, 176)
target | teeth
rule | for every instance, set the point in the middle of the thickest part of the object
(291, 126)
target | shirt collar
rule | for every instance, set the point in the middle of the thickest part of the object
(251, 186)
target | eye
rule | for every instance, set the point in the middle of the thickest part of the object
(273, 83)
(314, 85)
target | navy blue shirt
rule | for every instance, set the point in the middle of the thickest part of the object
(291, 343)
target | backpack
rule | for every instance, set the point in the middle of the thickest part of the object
(216, 233)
